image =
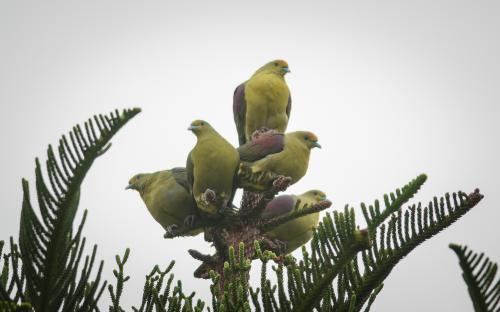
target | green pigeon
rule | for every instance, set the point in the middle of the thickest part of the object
(297, 232)
(167, 197)
(263, 101)
(258, 174)
(211, 169)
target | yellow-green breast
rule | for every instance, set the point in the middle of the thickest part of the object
(215, 162)
(266, 97)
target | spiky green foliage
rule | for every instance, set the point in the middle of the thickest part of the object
(326, 280)
(232, 295)
(120, 281)
(7, 306)
(343, 270)
(157, 296)
(336, 242)
(479, 274)
(51, 252)
(395, 239)
(12, 277)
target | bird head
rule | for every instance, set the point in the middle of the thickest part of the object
(136, 182)
(199, 126)
(279, 67)
(315, 195)
(309, 139)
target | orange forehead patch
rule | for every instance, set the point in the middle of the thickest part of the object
(281, 63)
(312, 136)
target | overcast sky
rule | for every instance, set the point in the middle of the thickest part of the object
(391, 88)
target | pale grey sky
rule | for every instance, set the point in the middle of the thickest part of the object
(392, 89)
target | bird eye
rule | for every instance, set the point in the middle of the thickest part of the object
(306, 138)
(315, 193)
(202, 124)
(276, 64)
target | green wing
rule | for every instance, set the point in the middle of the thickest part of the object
(180, 176)
(189, 172)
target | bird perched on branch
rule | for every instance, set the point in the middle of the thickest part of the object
(258, 174)
(167, 197)
(297, 232)
(262, 101)
(211, 169)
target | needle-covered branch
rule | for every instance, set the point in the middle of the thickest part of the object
(401, 235)
(479, 273)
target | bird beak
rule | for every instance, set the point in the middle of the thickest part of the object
(192, 128)
(129, 187)
(286, 70)
(316, 144)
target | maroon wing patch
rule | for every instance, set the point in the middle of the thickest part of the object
(265, 144)
(279, 206)
(239, 111)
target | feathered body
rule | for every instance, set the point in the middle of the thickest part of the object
(167, 196)
(292, 162)
(299, 231)
(262, 101)
(212, 164)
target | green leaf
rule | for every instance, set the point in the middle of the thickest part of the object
(479, 274)
(374, 217)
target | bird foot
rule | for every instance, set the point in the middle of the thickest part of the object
(190, 220)
(275, 245)
(244, 170)
(209, 197)
(280, 246)
(227, 211)
(280, 259)
(281, 183)
(209, 235)
(171, 231)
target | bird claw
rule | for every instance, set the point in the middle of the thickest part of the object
(209, 197)
(227, 211)
(171, 231)
(276, 245)
(190, 220)
(209, 235)
(280, 246)
(244, 171)
(281, 183)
